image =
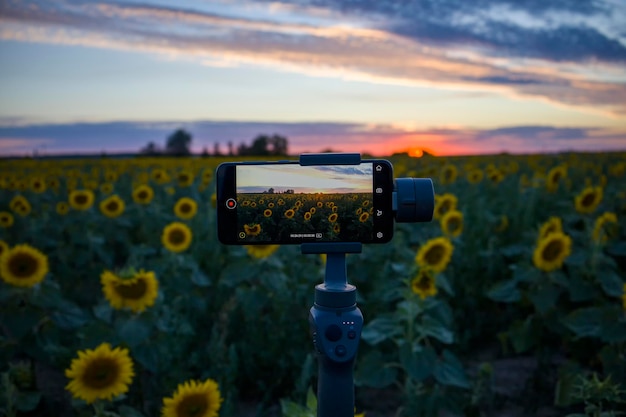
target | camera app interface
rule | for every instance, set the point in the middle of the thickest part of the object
(293, 203)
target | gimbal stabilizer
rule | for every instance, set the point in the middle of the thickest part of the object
(335, 320)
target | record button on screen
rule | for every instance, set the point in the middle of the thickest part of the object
(231, 203)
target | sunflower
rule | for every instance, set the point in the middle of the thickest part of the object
(143, 194)
(552, 225)
(364, 216)
(102, 373)
(312, 210)
(106, 188)
(20, 205)
(270, 205)
(194, 399)
(474, 176)
(435, 254)
(588, 200)
(186, 208)
(503, 224)
(267, 213)
(452, 223)
(62, 208)
(112, 206)
(214, 200)
(38, 185)
(81, 199)
(253, 229)
(444, 204)
(176, 237)
(136, 292)
(319, 204)
(261, 251)
(290, 213)
(333, 217)
(366, 203)
(307, 216)
(605, 227)
(624, 297)
(424, 284)
(184, 178)
(53, 183)
(551, 251)
(23, 266)
(336, 228)
(6, 219)
(555, 175)
(448, 174)
(4, 247)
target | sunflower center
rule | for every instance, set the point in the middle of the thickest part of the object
(80, 199)
(192, 405)
(112, 206)
(133, 290)
(552, 251)
(434, 255)
(176, 237)
(454, 224)
(185, 208)
(424, 282)
(588, 199)
(22, 265)
(101, 373)
(142, 195)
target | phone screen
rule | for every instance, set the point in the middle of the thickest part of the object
(284, 203)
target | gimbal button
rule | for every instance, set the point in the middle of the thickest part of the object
(333, 333)
(341, 351)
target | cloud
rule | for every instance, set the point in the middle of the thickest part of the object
(566, 53)
(378, 139)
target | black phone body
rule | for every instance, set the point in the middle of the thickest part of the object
(284, 202)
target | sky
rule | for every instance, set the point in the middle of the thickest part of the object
(305, 179)
(453, 77)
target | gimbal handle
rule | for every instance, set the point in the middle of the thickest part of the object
(336, 323)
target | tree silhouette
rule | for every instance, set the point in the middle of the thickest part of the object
(178, 143)
(150, 149)
(264, 145)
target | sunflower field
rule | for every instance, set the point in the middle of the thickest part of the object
(117, 299)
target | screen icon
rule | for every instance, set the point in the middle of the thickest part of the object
(242, 235)
(379, 213)
(231, 203)
(379, 168)
(379, 190)
(379, 235)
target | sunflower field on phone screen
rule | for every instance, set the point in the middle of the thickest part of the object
(117, 299)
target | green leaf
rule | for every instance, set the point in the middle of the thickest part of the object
(514, 250)
(444, 283)
(127, 411)
(22, 322)
(591, 321)
(545, 297)
(418, 364)
(505, 292)
(27, 401)
(449, 371)
(381, 328)
(434, 328)
(133, 331)
(372, 371)
(147, 356)
(611, 283)
(579, 289)
(522, 336)
(199, 278)
(103, 311)
(70, 316)
(311, 400)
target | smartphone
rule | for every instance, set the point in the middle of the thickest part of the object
(288, 203)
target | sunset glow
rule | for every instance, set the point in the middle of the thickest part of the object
(372, 77)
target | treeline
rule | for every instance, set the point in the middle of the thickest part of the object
(179, 144)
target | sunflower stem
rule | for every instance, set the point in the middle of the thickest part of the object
(98, 408)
